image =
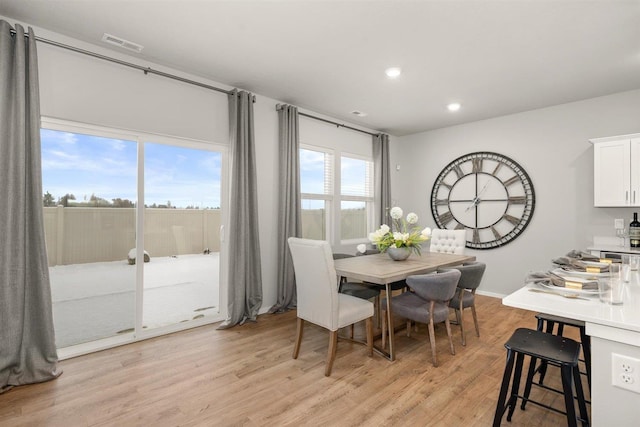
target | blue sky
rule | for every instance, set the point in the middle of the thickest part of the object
(312, 164)
(84, 165)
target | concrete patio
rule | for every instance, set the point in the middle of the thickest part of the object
(97, 300)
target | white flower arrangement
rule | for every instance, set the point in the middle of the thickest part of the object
(403, 236)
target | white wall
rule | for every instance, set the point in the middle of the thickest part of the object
(84, 89)
(551, 144)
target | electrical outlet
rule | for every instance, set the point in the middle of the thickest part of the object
(618, 224)
(625, 372)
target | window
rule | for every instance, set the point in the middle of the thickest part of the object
(316, 188)
(337, 195)
(356, 202)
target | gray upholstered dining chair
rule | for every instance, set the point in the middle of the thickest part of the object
(428, 303)
(448, 241)
(318, 299)
(464, 297)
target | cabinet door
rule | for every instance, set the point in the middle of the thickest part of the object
(635, 172)
(611, 173)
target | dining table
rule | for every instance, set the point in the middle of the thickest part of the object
(381, 270)
(614, 332)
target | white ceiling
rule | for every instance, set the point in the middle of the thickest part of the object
(494, 57)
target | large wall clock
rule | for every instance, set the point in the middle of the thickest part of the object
(488, 194)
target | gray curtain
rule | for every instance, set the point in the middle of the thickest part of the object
(289, 216)
(382, 177)
(245, 277)
(27, 341)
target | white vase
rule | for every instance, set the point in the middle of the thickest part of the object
(399, 254)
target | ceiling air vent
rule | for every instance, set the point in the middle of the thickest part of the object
(125, 44)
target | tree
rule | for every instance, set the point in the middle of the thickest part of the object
(122, 203)
(64, 200)
(98, 201)
(48, 200)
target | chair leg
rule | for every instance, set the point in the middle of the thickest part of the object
(475, 319)
(515, 386)
(580, 395)
(369, 327)
(504, 389)
(585, 342)
(432, 339)
(351, 330)
(460, 318)
(448, 325)
(408, 328)
(527, 386)
(296, 346)
(331, 354)
(567, 383)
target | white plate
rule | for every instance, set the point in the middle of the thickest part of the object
(583, 274)
(560, 289)
(595, 264)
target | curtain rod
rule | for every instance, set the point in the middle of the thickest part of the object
(340, 125)
(146, 70)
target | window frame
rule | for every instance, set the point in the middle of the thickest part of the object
(333, 200)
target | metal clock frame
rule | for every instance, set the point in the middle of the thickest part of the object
(476, 159)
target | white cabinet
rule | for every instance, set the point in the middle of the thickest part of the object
(616, 174)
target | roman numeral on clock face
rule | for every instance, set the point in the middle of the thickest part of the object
(496, 235)
(512, 219)
(517, 200)
(445, 218)
(511, 181)
(442, 202)
(477, 165)
(458, 171)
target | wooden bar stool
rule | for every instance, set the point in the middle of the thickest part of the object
(550, 348)
(546, 323)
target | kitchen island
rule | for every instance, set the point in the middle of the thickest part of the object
(614, 330)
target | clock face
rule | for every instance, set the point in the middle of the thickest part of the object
(487, 194)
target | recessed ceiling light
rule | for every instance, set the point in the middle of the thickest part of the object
(393, 72)
(454, 106)
(359, 113)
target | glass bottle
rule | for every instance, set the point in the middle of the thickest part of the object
(634, 232)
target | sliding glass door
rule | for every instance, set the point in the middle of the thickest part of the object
(89, 199)
(182, 220)
(132, 224)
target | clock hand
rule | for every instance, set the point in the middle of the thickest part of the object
(476, 199)
(473, 204)
(483, 190)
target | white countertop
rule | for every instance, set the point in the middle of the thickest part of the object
(625, 316)
(614, 248)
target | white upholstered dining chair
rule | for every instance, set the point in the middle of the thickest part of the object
(448, 241)
(318, 299)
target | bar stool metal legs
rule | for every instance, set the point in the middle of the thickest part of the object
(551, 349)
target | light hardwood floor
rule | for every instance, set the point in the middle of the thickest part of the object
(245, 376)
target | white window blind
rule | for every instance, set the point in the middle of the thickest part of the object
(356, 177)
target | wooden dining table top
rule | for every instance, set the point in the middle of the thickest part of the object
(381, 269)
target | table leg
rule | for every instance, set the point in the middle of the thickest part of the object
(392, 354)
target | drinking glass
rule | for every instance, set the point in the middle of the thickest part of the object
(625, 267)
(623, 233)
(611, 287)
